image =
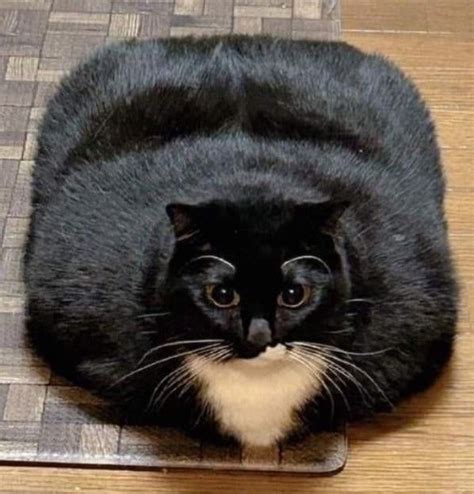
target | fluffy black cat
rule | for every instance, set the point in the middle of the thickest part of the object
(243, 235)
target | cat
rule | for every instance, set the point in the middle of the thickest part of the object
(242, 237)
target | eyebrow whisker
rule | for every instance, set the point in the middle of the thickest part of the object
(186, 236)
(308, 257)
(214, 258)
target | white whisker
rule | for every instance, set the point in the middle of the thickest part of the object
(176, 343)
(308, 257)
(340, 372)
(155, 314)
(213, 258)
(216, 357)
(339, 350)
(359, 300)
(181, 372)
(340, 331)
(327, 349)
(155, 363)
(185, 379)
(346, 402)
(187, 236)
(175, 373)
(302, 361)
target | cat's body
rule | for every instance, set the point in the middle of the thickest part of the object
(264, 154)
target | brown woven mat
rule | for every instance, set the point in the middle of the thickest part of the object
(42, 418)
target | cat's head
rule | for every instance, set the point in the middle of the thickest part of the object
(258, 274)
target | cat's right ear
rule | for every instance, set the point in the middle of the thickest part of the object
(182, 219)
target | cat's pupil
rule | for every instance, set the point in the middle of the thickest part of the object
(293, 295)
(223, 295)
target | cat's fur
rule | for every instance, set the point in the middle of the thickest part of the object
(255, 151)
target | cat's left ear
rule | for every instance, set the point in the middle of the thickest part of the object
(182, 217)
(324, 216)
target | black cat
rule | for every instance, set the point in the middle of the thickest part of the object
(240, 234)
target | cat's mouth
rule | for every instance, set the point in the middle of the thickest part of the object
(270, 353)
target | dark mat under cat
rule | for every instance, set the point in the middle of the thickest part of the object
(46, 420)
(42, 418)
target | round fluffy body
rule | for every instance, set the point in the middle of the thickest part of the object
(254, 141)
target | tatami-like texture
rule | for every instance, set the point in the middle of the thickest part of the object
(43, 419)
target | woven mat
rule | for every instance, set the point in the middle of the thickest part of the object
(42, 418)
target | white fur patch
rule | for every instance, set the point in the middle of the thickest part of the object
(255, 400)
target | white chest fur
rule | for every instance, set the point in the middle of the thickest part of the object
(255, 400)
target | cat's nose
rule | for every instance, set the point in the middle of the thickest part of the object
(259, 334)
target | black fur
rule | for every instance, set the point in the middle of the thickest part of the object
(261, 150)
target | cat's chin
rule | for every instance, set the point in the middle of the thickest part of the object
(256, 400)
(269, 356)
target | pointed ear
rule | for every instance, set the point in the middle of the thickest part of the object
(182, 217)
(324, 215)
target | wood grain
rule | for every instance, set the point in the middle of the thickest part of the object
(24, 403)
(22, 69)
(307, 9)
(433, 16)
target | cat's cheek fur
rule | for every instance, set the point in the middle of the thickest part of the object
(256, 400)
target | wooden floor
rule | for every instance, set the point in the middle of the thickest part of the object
(427, 446)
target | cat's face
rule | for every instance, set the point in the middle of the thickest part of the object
(257, 275)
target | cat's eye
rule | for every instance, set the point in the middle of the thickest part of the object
(223, 296)
(294, 296)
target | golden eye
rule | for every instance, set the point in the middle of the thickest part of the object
(223, 296)
(294, 296)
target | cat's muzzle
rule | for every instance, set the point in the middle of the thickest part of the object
(259, 337)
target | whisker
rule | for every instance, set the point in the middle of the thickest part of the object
(312, 258)
(205, 406)
(339, 331)
(304, 363)
(339, 370)
(351, 300)
(175, 373)
(369, 377)
(153, 364)
(176, 343)
(223, 357)
(185, 380)
(187, 236)
(214, 357)
(339, 350)
(328, 349)
(155, 314)
(346, 402)
(175, 376)
(344, 372)
(346, 378)
(212, 258)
